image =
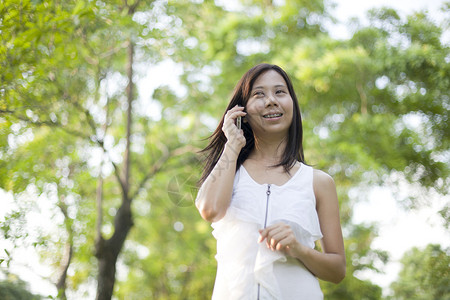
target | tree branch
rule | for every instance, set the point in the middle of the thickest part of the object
(126, 176)
(89, 117)
(55, 124)
(68, 251)
(363, 97)
(99, 201)
(157, 166)
(99, 238)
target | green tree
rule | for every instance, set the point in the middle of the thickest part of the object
(424, 274)
(72, 127)
(358, 247)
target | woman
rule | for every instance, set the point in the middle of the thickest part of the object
(267, 207)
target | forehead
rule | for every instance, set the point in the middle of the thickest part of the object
(269, 79)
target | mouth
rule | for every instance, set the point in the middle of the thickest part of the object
(271, 116)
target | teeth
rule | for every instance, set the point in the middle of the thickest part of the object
(272, 116)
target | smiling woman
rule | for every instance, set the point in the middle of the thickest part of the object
(267, 206)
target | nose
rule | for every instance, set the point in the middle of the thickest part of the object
(270, 100)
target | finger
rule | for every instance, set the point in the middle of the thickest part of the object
(269, 230)
(281, 233)
(278, 236)
(232, 119)
(238, 108)
(280, 246)
(235, 112)
(277, 239)
(231, 126)
(274, 231)
(287, 240)
(260, 238)
(262, 235)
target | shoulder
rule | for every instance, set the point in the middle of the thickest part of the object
(323, 185)
(321, 179)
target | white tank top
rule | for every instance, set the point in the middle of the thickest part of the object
(247, 269)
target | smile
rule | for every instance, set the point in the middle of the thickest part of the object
(273, 115)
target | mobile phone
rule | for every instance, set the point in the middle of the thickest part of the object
(239, 122)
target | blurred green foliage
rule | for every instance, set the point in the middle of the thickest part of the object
(14, 289)
(424, 274)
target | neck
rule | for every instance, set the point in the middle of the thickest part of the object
(268, 151)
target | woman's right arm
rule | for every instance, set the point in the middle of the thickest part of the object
(215, 193)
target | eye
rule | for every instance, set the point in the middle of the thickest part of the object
(280, 92)
(258, 94)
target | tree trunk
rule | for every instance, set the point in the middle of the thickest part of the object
(61, 284)
(107, 251)
(68, 252)
(107, 276)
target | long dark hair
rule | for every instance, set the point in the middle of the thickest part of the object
(294, 147)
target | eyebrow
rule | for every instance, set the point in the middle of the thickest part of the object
(276, 86)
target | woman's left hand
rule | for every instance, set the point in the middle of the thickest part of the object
(281, 237)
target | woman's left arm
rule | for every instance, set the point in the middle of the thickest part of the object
(328, 265)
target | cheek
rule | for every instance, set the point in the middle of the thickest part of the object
(251, 120)
(252, 109)
(289, 107)
(254, 105)
(252, 117)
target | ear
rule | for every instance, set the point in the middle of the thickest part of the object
(244, 119)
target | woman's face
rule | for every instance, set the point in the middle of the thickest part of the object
(270, 106)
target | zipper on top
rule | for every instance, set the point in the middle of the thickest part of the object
(265, 223)
(267, 204)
